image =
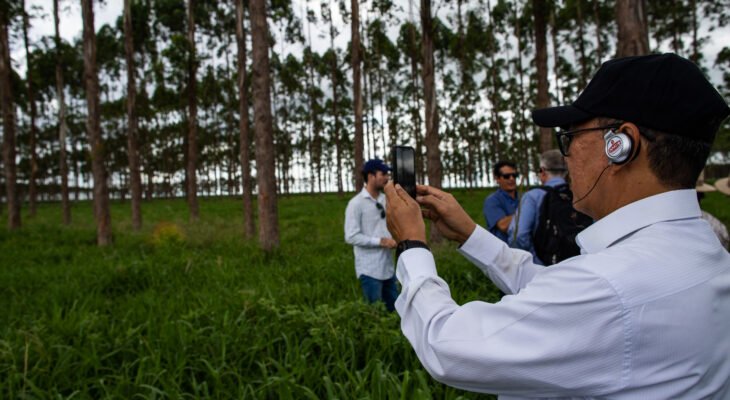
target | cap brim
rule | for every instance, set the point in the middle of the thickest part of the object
(723, 185)
(563, 116)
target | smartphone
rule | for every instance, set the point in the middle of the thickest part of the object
(404, 168)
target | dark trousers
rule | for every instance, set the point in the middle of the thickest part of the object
(380, 290)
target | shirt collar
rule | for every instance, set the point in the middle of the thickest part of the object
(555, 181)
(667, 206)
(364, 193)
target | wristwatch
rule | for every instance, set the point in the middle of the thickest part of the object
(409, 244)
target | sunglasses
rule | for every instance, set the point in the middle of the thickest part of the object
(381, 208)
(508, 176)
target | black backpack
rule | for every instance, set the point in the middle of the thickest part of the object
(559, 223)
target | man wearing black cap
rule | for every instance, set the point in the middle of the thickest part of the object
(366, 231)
(644, 311)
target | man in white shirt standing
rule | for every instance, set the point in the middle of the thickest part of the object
(644, 311)
(367, 232)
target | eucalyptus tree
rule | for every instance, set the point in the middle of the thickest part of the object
(428, 75)
(355, 54)
(267, 203)
(633, 36)
(30, 90)
(7, 103)
(245, 137)
(62, 125)
(539, 12)
(132, 148)
(408, 44)
(91, 81)
(331, 60)
(192, 150)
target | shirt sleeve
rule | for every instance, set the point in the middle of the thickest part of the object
(493, 212)
(550, 340)
(509, 269)
(353, 230)
(524, 222)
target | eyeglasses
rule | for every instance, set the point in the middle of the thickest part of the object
(381, 208)
(511, 175)
(565, 137)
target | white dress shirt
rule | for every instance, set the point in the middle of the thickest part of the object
(642, 313)
(364, 227)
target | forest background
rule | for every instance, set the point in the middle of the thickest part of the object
(171, 103)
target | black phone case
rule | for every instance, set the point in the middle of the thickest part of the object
(404, 168)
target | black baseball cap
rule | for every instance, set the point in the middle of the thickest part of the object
(664, 92)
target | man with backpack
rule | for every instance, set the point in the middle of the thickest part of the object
(546, 223)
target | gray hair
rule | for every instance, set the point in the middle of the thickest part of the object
(553, 163)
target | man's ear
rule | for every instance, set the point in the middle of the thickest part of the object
(632, 131)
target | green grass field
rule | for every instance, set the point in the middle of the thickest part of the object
(185, 310)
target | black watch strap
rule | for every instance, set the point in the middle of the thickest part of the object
(409, 244)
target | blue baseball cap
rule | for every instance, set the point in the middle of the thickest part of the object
(375, 164)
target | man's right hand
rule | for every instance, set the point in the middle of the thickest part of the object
(388, 243)
(444, 211)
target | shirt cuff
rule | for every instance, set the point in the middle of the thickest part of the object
(375, 242)
(481, 245)
(415, 263)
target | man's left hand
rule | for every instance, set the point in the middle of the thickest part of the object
(404, 218)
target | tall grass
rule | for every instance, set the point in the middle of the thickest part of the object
(184, 310)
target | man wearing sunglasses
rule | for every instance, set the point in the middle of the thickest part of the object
(644, 311)
(500, 206)
(366, 231)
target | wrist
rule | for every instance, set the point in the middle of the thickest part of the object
(407, 244)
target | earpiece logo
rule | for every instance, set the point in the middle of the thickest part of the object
(614, 147)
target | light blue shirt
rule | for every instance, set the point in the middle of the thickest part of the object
(364, 227)
(642, 313)
(527, 217)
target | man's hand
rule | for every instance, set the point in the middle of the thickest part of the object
(388, 243)
(443, 209)
(404, 218)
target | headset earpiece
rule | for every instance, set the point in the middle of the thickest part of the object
(619, 147)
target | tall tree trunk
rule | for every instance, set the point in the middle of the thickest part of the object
(192, 164)
(581, 46)
(62, 127)
(357, 92)
(249, 227)
(433, 154)
(93, 130)
(556, 54)
(32, 186)
(492, 94)
(539, 9)
(695, 57)
(335, 99)
(132, 148)
(599, 30)
(523, 124)
(416, 114)
(633, 36)
(268, 218)
(8, 109)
